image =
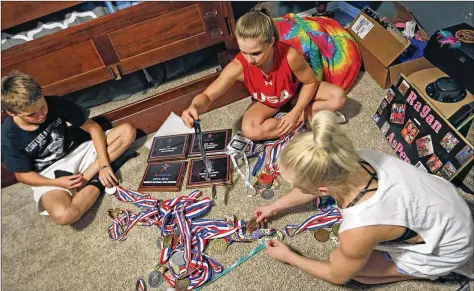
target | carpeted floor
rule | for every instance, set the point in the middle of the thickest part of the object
(38, 255)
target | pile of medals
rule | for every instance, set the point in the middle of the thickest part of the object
(185, 236)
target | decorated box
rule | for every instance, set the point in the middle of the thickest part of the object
(419, 134)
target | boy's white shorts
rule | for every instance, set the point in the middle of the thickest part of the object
(75, 162)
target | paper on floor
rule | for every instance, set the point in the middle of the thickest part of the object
(172, 125)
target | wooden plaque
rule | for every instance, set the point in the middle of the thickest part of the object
(167, 148)
(215, 142)
(221, 173)
(163, 176)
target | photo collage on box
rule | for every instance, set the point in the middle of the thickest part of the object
(409, 124)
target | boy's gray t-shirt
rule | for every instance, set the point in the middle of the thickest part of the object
(25, 151)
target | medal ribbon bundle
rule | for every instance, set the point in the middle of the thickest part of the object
(272, 166)
(185, 234)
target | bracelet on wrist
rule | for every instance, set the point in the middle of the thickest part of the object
(103, 167)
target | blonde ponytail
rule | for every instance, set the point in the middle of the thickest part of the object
(323, 157)
(257, 23)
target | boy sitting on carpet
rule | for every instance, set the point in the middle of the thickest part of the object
(38, 147)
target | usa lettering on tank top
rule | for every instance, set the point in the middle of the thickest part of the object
(279, 86)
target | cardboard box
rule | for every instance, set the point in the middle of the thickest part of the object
(380, 47)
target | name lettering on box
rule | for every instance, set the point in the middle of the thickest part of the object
(419, 135)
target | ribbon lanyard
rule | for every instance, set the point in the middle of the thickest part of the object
(236, 264)
(185, 232)
(198, 132)
(328, 216)
(245, 177)
(179, 214)
(207, 164)
(272, 166)
(140, 285)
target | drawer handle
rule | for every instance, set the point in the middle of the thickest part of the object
(111, 72)
(212, 14)
(115, 72)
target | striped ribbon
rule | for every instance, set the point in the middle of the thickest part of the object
(245, 176)
(179, 214)
(140, 285)
(272, 166)
(327, 217)
(182, 214)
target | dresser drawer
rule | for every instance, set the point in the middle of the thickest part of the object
(76, 60)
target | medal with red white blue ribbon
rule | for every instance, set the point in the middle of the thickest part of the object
(276, 146)
(327, 217)
(187, 234)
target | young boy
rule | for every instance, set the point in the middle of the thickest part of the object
(37, 145)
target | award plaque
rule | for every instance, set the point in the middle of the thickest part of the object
(221, 172)
(171, 147)
(215, 142)
(164, 176)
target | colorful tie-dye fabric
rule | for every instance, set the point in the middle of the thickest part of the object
(329, 49)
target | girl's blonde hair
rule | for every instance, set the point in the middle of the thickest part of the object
(257, 23)
(323, 157)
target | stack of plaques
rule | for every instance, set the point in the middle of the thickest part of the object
(167, 161)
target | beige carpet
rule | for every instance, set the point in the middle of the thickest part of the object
(38, 255)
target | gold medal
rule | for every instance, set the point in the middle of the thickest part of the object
(167, 241)
(115, 212)
(321, 235)
(174, 241)
(335, 229)
(219, 246)
(182, 284)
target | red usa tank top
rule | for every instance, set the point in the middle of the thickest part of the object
(280, 85)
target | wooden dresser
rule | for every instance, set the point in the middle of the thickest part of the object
(117, 44)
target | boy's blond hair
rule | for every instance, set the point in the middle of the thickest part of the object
(256, 24)
(19, 91)
(324, 157)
